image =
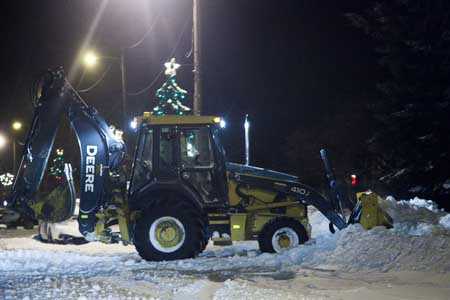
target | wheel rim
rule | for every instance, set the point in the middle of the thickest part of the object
(284, 238)
(167, 234)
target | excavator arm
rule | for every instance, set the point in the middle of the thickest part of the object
(101, 152)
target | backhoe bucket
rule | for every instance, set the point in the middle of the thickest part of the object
(59, 204)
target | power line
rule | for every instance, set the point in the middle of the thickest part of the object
(189, 53)
(97, 82)
(162, 70)
(150, 29)
(147, 87)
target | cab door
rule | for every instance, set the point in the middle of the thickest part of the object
(199, 165)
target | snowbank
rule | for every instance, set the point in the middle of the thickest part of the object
(385, 250)
(420, 240)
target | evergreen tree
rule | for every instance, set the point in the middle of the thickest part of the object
(170, 95)
(411, 148)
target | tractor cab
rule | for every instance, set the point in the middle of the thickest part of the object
(181, 151)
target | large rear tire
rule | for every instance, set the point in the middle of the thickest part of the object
(280, 234)
(171, 228)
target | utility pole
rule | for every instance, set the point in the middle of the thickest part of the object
(124, 90)
(196, 28)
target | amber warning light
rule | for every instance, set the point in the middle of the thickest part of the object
(353, 176)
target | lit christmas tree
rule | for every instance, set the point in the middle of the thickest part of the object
(6, 179)
(57, 168)
(170, 95)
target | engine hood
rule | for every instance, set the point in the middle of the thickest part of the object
(249, 170)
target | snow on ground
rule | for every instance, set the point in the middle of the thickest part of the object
(419, 242)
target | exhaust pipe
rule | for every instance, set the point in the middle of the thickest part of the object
(247, 140)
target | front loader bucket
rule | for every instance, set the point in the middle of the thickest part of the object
(59, 204)
(366, 211)
(369, 213)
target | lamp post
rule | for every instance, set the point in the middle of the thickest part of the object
(16, 126)
(91, 59)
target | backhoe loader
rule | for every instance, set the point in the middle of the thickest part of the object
(181, 192)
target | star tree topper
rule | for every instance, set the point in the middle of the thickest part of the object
(171, 67)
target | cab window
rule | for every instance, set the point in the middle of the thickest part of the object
(195, 146)
(167, 161)
(143, 167)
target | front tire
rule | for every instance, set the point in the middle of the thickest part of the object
(280, 234)
(170, 229)
(27, 223)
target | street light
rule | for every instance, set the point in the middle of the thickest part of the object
(90, 59)
(16, 125)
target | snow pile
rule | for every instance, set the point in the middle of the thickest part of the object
(445, 222)
(420, 240)
(415, 216)
(417, 203)
(413, 229)
(383, 250)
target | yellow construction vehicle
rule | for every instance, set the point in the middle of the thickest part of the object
(181, 191)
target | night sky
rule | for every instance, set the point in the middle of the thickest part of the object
(285, 63)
